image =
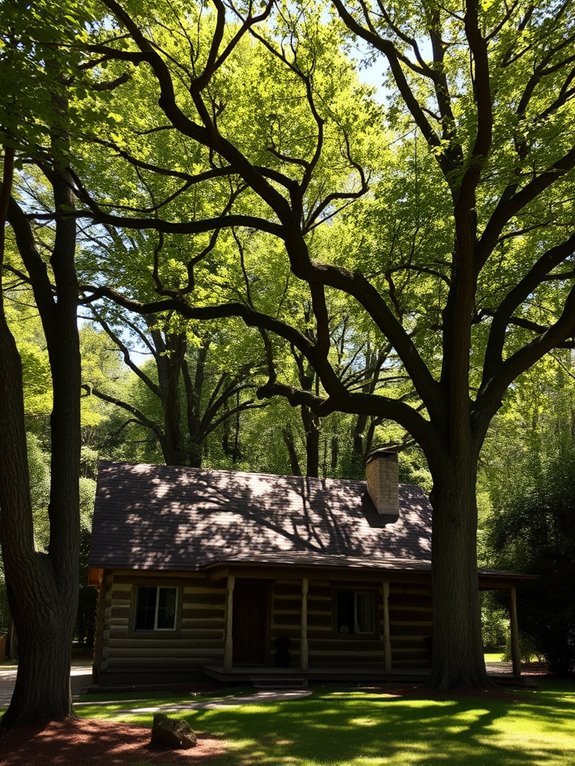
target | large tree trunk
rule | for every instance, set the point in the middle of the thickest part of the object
(457, 651)
(44, 617)
(195, 451)
(193, 396)
(171, 349)
(43, 588)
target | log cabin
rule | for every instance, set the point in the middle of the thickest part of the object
(238, 575)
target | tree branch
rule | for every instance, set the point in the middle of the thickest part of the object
(512, 203)
(491, 393)
(497, 334)
(141, 419)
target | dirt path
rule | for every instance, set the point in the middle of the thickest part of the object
(94, 743)
(81, 676)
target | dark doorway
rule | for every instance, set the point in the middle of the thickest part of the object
(250, 624)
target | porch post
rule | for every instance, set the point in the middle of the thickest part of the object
(386, 630)
(304, 647)
(514, 624)
(229, 646)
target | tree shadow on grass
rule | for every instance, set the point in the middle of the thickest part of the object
(375, 727)
(378, 728)
(554, 706)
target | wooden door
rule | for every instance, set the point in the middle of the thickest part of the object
(250, 628)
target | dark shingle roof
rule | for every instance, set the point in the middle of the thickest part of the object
(172, 518)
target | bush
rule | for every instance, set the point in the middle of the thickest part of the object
(548, 615)
(534, 531)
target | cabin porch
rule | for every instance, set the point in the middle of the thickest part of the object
(271, 677)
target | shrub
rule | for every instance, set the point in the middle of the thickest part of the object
(533, 530)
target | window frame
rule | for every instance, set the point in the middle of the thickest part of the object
(155, 628)
(355, 592)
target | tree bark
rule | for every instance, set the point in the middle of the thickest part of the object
(193, 394)
(287, 436)
(358, 451)
(171, 350)
(334, 454)
(311, 425)
(43, 588)
(457, 649)
(44, 625)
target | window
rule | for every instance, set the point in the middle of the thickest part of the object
(355, 612)
(156, 608)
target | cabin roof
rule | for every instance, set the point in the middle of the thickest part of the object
(179, 518)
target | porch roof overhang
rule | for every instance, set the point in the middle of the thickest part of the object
(341, 567)
(303, 564)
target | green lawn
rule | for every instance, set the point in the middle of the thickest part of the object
(372, 728)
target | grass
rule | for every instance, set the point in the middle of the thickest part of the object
(351, 727)
(494, 657)
(372, 728)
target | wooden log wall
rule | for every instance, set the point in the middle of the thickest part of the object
(197, 640)
(410, 612)
(326, 648)
(200, 633)
(410, 623)
(410, 615)
(286, 618)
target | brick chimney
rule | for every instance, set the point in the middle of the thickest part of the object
(382, 473)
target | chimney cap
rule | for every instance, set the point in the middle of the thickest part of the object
(385, 453)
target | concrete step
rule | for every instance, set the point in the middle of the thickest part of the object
(278, 682)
